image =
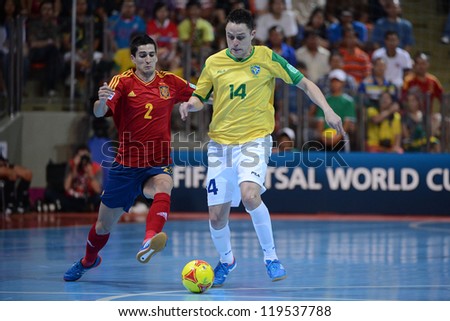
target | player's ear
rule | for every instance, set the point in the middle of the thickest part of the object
(252, 34)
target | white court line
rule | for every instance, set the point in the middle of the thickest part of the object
(270, 298)
(420, 226)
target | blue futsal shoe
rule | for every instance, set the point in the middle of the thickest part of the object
(77, 270)
(275, 270)
(221, 272)
(154, 245)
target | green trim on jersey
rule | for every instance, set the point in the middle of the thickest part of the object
(293, 72)
(240, 60)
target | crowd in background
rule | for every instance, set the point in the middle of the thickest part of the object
(349, 48)
(361, 54)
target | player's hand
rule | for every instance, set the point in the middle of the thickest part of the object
(184, 110)
(334, 121)
(105, 92)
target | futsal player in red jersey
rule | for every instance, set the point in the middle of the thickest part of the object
(140, 101)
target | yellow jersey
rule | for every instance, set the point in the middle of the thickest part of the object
(243, 93)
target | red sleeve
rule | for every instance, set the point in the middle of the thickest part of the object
(117, 84)
(184, 89)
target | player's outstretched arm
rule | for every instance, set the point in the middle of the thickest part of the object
(314, 93)
(192, 105)
(100, 107)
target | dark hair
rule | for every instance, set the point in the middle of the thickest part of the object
(44, 3)
(316, 11)
(141, 39)
(81, 147)
(390, 33)
(157, 7)
(334, 53)
(244, 16)
(310, 33)
(193, 3)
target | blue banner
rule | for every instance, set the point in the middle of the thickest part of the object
(319, 182)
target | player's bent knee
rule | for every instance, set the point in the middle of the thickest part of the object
(251, 200)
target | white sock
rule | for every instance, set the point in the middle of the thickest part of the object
(222, 242)
(263, 227)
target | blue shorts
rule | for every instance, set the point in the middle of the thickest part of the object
(125, 184)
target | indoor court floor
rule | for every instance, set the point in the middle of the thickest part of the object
(327, 257)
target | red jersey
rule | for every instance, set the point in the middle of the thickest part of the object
(142, 115)
(164, 34)
(429, 85)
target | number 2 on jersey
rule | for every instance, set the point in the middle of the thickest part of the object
(149, 108)
(239, 92)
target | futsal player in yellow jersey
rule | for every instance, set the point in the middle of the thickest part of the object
(242, 78)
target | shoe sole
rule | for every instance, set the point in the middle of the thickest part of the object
(157, 244)
(221, 284)
(279, 278)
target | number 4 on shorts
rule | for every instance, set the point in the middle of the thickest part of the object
(212, 188)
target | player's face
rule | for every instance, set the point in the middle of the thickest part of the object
(239, 39)
(145, 61)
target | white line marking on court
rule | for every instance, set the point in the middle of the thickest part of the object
(422, 226)
(234, 296)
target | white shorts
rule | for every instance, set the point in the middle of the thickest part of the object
(230, 165)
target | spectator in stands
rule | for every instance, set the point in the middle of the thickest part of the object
(284, 141)
(277, 15)
(317, 23)
(3, 48)
(344, 106)
(107, 8)
(165, 32)
(430, 87)
(356, 61)
(195, 30)
(31, 8)
(218, 21)
(302, 110)
(83, 45)
(398, 61)
(374, 85)
(315, 56)
(197, 33)
(305, 10)
(277, 43)
(393, 22)
(44, 39)
(8, 16)
(336, 30)
(146, 9)
(17, 181)
(384, 128)
(414, 126)
(376, 9)
(82, 184)
(336, 61)
(230, 5)
(122, 27)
